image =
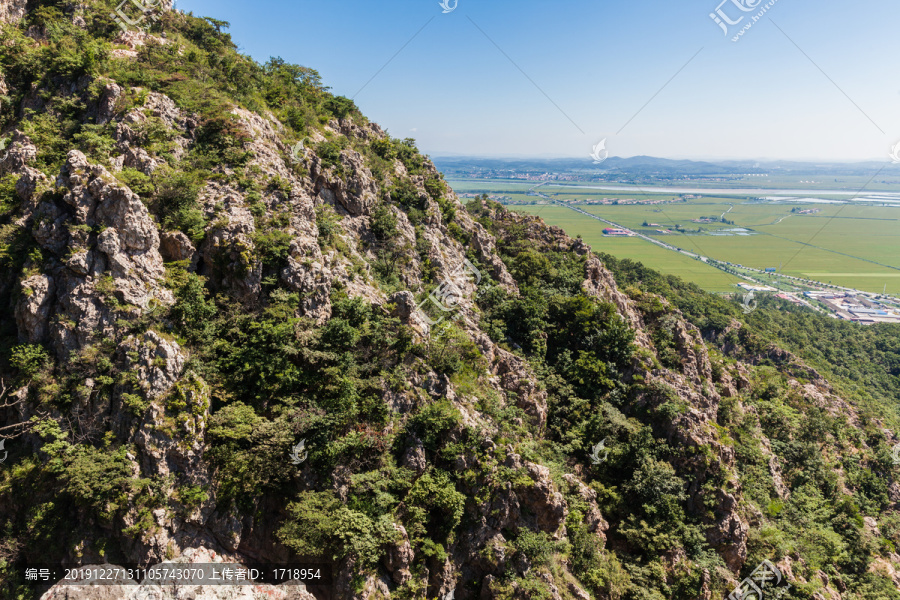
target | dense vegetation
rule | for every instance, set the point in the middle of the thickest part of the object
(268, 376)
(645, 479)
(862, 362)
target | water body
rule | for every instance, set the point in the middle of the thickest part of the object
(733, 231)
(791, 194)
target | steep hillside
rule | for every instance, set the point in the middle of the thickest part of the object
(239, 322)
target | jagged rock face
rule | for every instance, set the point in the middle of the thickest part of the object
(227, 251)
(305, 273)
(115, 250)
(357, 194)
(593, 517)
(399, 557)
(175, 246)
(33, 310)
(122, 261)
(12, 10)
(156, 361)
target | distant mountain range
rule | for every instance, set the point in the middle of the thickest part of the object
(650, 165)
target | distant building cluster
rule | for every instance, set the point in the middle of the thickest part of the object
(522, 175)
(856, 308)
(612, 232)
(756, 288)
(496, 198)
(625, 201)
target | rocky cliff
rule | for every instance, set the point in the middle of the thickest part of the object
(207, 261)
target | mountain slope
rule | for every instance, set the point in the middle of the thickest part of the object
(206, 261)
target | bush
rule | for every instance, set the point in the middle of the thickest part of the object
(330, 153)
(176, 203)
(406, 194)
(449, 350)
(433, 422)
(250, 453)
(384, 148)
(537, 546)
(340, 106)
(273, 247)
(435, 507)
(29, 359)
(319, 525)
(384, 223)
(193, 312)
(435, 188)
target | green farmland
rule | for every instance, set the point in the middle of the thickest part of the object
(853, 245)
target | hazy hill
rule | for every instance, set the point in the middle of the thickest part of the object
(663, 167)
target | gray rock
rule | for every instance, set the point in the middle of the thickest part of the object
(33, 308)
(399, 557)
(108, 98)
(156, 361)
(357, 194)
(176, 246)
(20, 152)
(414, 457)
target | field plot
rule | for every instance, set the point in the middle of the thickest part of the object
(852, 245)
(848, 250)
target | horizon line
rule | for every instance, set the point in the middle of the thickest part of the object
(588, 158)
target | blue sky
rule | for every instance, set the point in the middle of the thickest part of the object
(823, 89)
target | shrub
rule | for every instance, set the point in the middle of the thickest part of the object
(330, 153)
(193, 312)
(435, 188)
(435, 506)
(340, 106)
(176, 203)
(384, 148)
(406, 194)
(434, 421)
(537, 546)
(321, 526)
(139, 183)
(384, 223)
(273, 247)
(29, 359)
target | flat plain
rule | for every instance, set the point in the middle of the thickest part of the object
(853, 244)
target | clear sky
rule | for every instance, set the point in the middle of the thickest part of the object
(545, 79)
